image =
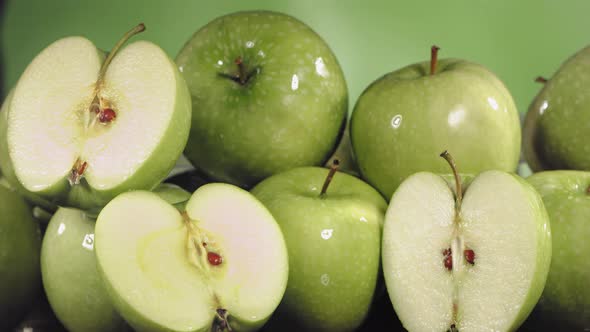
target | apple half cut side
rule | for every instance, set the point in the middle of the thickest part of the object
(82, 129)
(479, 265)
(220, 264)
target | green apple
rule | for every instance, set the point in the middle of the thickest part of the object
(221, 264)
(20, 244)
(556, 125)
(565, 303)
(333, 236)
(268, 94)
(71, 281)
(82, 128)
(472, 263)
(404, 119)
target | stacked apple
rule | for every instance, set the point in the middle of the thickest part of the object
(90, 136)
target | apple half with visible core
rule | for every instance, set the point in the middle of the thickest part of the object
(71, 281)
(556, 130)
(20, 245)
(332, 225)
(219, 265)
(83, 128)
(472, 263)
(565, 303)
(403, 120)
(268, 94)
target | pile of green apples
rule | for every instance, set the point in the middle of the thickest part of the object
(293, 217)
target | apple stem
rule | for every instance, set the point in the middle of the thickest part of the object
(103, 69)
(541, 79)
(433, 58)
(333, 169)
(77, 172)
(242, 77)
(447, 156)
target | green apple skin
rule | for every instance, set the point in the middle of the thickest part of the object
(6, 167)
(20, 246)
(153, 171)
(557, 124)
(565, 303)
(71, 281)
(334, 248)
(403, 120)
(290, 113)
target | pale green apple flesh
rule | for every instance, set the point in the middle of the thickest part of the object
(404, 119)
(223, 261)
(71, 281)
(555, 132)
(268, 95)
(501, 219)
(565, 303)
(20, 244)
(58, 143)
(334, 247)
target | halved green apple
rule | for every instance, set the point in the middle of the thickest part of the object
(219, 265)
(473, 264)
(82, 129)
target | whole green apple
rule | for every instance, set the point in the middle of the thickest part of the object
(404, 119)
(268, 94)
(20, 244)
(82, 127)
(333, 238)
(565, 303)
(557, 125)
(73, 286)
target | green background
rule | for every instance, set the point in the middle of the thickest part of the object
(517, 39)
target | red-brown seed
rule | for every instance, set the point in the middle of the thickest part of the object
(213, 258)
(447, 252)
(448, 261)
(469, 256)
(107, 115)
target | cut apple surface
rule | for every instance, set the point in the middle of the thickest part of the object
(482, 268)
(221, 262)
(103, 126)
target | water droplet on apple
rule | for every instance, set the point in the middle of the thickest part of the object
(327, 233)
(88, 242)
(325, 279)
(294, 82)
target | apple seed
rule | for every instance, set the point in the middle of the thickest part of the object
(469, 256)
(214, 258)
(107, 115)
(448, 260)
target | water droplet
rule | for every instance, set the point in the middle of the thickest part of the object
(396, 121)
(327, 233)
(88, 242)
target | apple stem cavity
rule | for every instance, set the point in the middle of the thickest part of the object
(459, 193)
(333, 170)
(541, 79)
(433, 58)
(243, 76)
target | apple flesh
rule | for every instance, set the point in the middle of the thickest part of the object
(256, 78)
(220, 264)
(20, 244)
(479, 265)
(555, 128)
(333, 241)
(71, 281)
(403, 120)
(565, 303)
(82, 129)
